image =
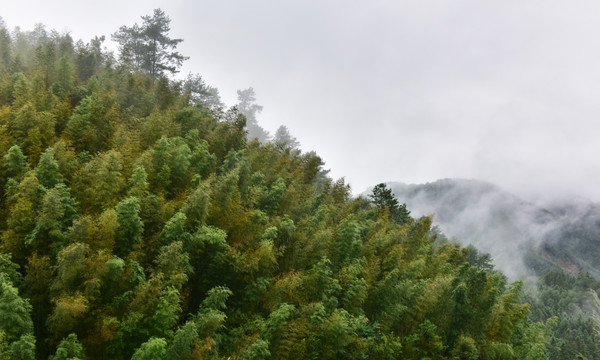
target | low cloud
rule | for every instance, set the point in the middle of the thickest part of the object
(504, 225)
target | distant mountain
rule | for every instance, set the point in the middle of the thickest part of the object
(523, 238)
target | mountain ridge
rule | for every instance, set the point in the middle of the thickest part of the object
(545, 235)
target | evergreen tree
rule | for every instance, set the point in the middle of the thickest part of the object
(148, 47)
(383, 198)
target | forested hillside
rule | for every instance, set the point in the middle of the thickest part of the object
(554, 234)
(554, 246)
(139, 222)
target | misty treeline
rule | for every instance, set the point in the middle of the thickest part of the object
(553, 245)
(139, 221)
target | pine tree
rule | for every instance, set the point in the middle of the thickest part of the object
(148, 47)
(383, 198)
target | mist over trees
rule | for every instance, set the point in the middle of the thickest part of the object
(250, 110)
(283, 139)
(553, 246)
(139, 221)
(202, 94)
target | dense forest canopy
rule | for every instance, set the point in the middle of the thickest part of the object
(140, 221)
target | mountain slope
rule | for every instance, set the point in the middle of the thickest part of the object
(555, 246)
(520, 236)
(138, 222)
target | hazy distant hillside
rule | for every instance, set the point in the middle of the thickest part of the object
(576, 242)
(564, 234)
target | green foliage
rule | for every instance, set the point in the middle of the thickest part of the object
(140, 227)
(270, 202)
(173, 263)
(90, 127)
(259, 350)
(24, 348)
(153, 349)
(15, 312)
(465, 349)
(65, 83)
(171, 162)
(174, 230)
(47, 170)
(201, 160)
(147, 47)
(71, 266)
(69, 349)
(97, 185)
(130, 225)
(138, 183)
(183, 341)
(425, 343)
(383, 198)
(32, 129)
(216, 298)
(567, 304)
(56, 214)
(349, 242)
(10, 270)
(15, 163)
(167, 313)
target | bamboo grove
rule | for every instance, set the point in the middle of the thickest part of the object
(138, 221)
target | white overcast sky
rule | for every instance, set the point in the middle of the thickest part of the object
(410, 91)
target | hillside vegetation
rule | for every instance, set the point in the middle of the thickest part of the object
(138, 222)
(554, 246)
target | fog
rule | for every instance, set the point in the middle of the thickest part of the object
(510, 229)
(503, 91)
